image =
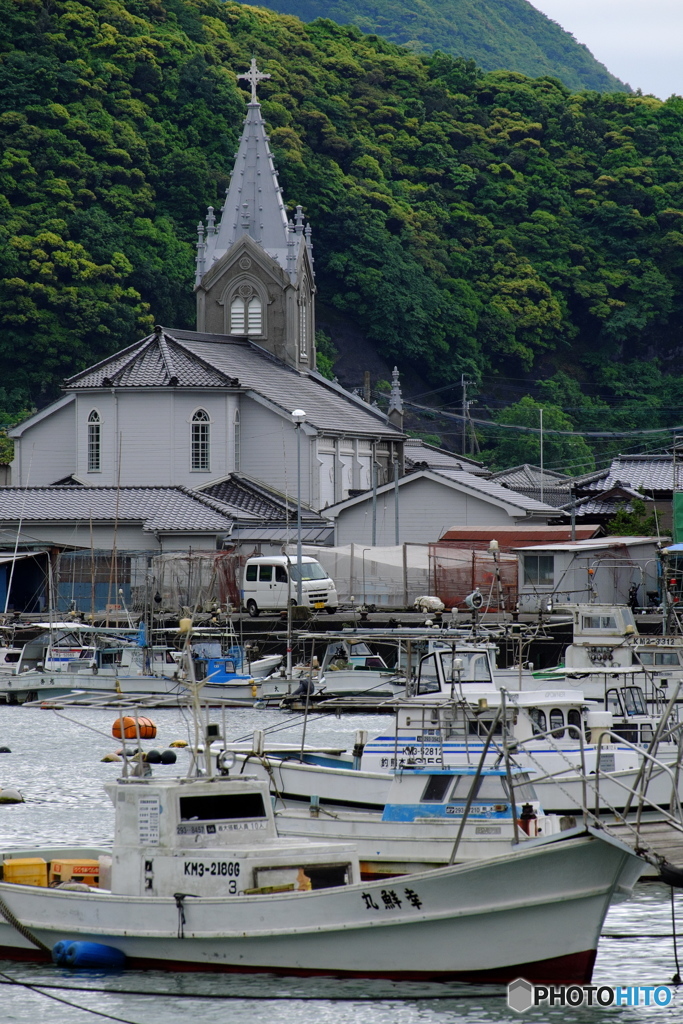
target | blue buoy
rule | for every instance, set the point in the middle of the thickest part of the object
(88, 955)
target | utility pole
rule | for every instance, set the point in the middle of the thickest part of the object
(463, 384)
(540, 411)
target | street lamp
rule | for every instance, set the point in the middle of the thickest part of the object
(298, 417)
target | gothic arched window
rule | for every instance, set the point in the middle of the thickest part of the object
(201, 440)
(303, 321)
(237, 440)
(94, 442)
(246, 312)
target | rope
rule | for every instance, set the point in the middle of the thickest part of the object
(677, 976)
(66, 1002)
(22, 929)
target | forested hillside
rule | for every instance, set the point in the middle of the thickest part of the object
(497, 34)
(466, 222)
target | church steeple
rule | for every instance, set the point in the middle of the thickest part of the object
(255, 277)
(253, 203)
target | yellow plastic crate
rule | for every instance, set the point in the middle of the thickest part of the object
(25, 871)
(75, 870)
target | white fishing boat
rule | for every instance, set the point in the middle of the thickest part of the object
(572, 745)
(432, 817)
(198, 879)
(90, 661)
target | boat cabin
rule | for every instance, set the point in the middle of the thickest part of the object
(213, 837)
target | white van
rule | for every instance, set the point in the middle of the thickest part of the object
(270, 583)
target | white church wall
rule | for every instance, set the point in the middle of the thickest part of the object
(45, 452)
(269, 450)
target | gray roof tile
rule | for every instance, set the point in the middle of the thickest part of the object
(159, 509)
(651, 472)
(418, 452)
(260, 501)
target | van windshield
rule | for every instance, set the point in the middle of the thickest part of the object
(307, 571)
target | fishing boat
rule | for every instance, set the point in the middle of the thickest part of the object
(198, 879)
(92, 661)
(432, 817)
(574, 745)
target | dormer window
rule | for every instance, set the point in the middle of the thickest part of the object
(201, 440)
(246, 312)
(94, 442)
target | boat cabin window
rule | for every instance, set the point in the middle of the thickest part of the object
(557, 723)
(598, 622)
(436, 789)
(111, 657)
(658, 657)
(492, 787)
(221, 807)
(523, 789)
(573, 724)
(475, 667)
(613, 702)
(538, 722)
(428, 676)
(265, 573)
(12, 657)
(251, 573)
(646, 734)
(634, 700)
(482, 727)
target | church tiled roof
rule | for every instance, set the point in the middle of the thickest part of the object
(159, 360)
(188, 359)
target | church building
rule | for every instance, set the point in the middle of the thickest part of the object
(195, 408)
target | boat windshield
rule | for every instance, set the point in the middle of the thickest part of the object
(475, 666)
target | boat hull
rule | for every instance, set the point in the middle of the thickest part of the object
(546, 902)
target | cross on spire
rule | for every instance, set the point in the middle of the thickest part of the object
(253, 76)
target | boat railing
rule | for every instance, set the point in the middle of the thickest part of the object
(638, 792)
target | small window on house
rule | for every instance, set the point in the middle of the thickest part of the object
(539, 570)
(94, 442)
(237, 440)
(557, 722)
(201, 426)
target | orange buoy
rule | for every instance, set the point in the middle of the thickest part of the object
(145, 728)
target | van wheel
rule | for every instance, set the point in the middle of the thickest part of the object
(331, 611)
(253, 609)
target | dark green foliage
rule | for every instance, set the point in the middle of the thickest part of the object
(495, 33)
(467, 222)
(636, 523)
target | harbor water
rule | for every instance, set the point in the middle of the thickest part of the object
(55, 761)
